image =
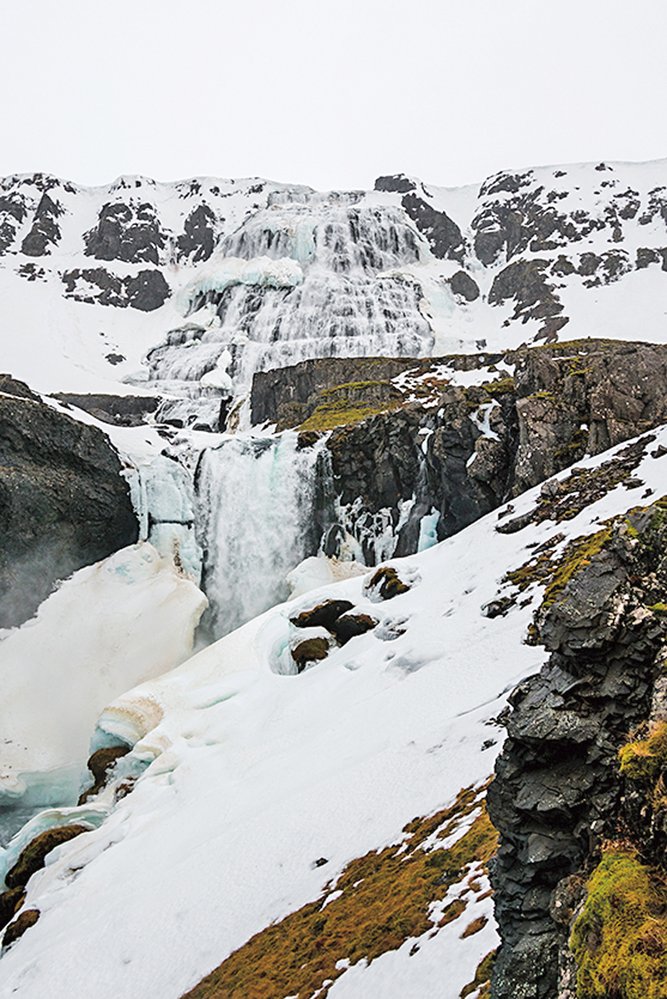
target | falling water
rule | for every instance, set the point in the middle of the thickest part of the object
(257, 501)
(323, 276)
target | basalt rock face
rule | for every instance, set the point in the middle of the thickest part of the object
(576, 399)
(558, 791)
(288, 396)
(461, 451)
(63, 501)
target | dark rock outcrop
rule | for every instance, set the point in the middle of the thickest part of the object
(311, 650)
(197, 240)
(100, 765)
(288, 396)
(23, 922)
(322, 615)
(45, 231)
(33, 857)
(119, 410)
(558, 791)
(349, 626)
(145, 291)
(63, 501)
(126, 231)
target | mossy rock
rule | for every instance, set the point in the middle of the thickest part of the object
(322, 615)
(387, 583)
(348, 626)
(22, 923)
(619, 940)
(646, 759)
(309, 651)
(32, 858)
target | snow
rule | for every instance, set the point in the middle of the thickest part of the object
(127, 618)
(251, 775)
(319, 570)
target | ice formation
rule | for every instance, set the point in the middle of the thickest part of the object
(127, 618)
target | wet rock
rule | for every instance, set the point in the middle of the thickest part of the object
(99, 764)
(16, 929)
(33, 856)
(348, 626)
(323, 615)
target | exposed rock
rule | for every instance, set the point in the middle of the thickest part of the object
(33, 856)
(386, 583)
(22, 923)
(13, 386)
(443, 234)
(119, 410)
(558, 791)
(45, 231)
(462, 284)
(398, 182)
(10, 902)
(146, 291)
(322, 615)
(348, 626)
(309, 651)
(99, 764)
(288, 396)
(198, 237)
(126, 231)
(63, 502)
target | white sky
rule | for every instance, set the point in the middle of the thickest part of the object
(330, 93)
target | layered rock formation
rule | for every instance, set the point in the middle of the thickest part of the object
(559, 794)
(408, 433)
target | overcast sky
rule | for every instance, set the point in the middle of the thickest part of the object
(330, 94)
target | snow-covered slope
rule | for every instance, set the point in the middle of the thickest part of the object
(195, 285)
(261, 785)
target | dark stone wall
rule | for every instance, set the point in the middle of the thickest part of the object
(63, 501)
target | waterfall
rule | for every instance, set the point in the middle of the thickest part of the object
(321, 276)
(257, 503)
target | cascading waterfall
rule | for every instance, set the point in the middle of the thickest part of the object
(323, 276)
(257, 503)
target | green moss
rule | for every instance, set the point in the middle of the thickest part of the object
(501, 386)
(576, 557)
(351, 403)
(658, 608)
(542, 395)
(646, 758)
(619, 940)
